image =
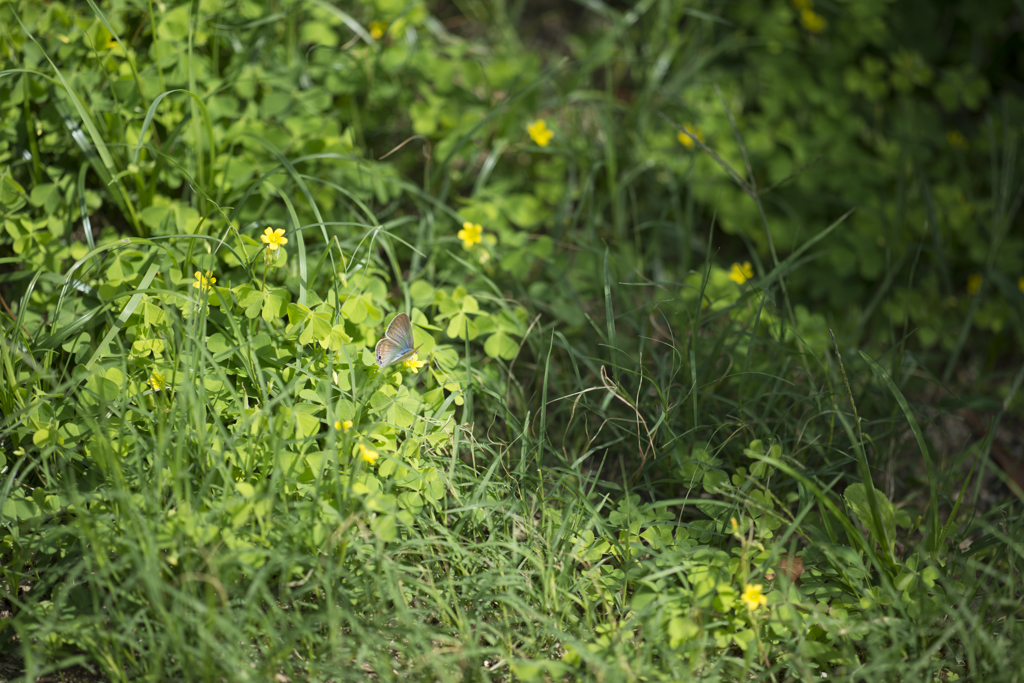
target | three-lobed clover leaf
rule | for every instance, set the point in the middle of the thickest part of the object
(271, 302)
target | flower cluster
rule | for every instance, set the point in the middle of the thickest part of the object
(343, 426)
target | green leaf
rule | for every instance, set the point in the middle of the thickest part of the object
(216, 343)
(929, 576)
(524, 210)
(385, 527)
(47, 196)
(421, 292)
(152, 314)
(461, 327)
(153, 217)
(275, 303)
(715, 480)
(354, 309)
(316, 324)
(680, 630)
(399, 407)
(249, 299)
(500, 345)
(306, 421)
(41, 436)
(469, 304)
(905, 581)
(318, 328)
(696, 464)
(744, 638)
(336, 339)
(857, 497)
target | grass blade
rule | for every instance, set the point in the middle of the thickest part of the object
(933, 496)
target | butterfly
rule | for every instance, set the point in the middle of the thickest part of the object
(397, 342)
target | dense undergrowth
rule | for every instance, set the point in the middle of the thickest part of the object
(627, 448)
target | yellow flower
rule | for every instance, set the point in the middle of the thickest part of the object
(740, 274)
(157, 381)
(540, 133)
(470, 234)
(414, 364)
(957, 140)
(343, 426)
(812, 21)
(369, 456)
(974, 283)
(274, 238)
(752, 596)
(377, 29)
(687, 140)
(802, 4)
(204, 282)
(1020, 283)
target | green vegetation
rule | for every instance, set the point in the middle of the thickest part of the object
(628, 447)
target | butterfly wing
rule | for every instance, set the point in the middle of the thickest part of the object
(397, 341)
(386, 352)
(400, 330)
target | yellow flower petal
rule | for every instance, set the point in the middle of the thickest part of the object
(377, 29)
(540, 133)
(974, 283)
(273, 238)
(753, 597)
(812, 21)
(470, 234)
(687, 140)
(741, 273)
(369, 456)
(957, 140)
(157, 381)
(414, 364)
(204, 282)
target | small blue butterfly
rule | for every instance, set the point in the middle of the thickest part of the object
(397, 342)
